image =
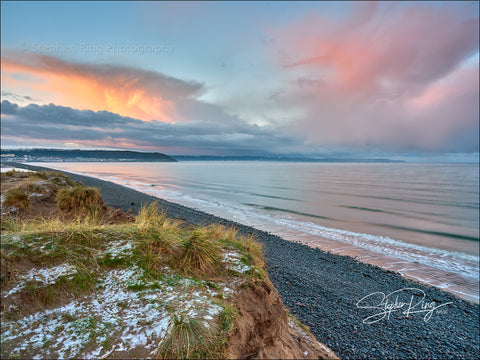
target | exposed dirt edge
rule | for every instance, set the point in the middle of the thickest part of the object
(264, 330)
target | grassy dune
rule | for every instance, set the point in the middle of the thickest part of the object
(95, 282)
(78, 281)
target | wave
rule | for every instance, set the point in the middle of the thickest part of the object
(430, 232)
(288, 211)
(455, 262)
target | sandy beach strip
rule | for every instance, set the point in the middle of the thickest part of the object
(359, 310)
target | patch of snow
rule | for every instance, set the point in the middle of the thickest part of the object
(139, 322)
(330, 352)
(50, 275)
(45, 250)
(46, 276)
(35, 195)
(13, 238)
(233, 261)
(119, 248)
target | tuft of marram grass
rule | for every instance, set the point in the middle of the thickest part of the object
(18, 198)
(228, 318)
(186, 338)
(153, 250)
(150, 217)
(78, 199)
(11, 173)
(201, 253)
(12, 224)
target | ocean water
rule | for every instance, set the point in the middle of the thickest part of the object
(421, 220)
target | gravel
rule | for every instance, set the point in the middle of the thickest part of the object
(322, 290)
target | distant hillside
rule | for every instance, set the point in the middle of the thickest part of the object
(82, 155)
(280, 158)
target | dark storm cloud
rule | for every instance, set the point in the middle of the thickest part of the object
(60, 124)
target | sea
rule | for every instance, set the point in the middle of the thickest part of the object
(418, 219)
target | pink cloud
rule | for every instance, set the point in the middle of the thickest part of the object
(137, 93)
(386, 76)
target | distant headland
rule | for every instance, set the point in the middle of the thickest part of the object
(56, 155)
(33, 155)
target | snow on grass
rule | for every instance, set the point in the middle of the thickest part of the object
(127, 311)
(14, 239)
(45, 276)
(49, 275)
(119, 248)
(233, 261)
(32, 195)
(47, 248)
(114, 317)
(9, 210)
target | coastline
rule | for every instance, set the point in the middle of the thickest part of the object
(323, 290)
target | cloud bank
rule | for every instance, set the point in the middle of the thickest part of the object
(390, 77)
(62, 125)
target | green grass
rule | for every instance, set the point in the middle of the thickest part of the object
(228, 318)
(186, 338)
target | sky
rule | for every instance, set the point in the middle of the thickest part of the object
(347, 79)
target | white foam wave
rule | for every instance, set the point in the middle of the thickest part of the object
(450, 261)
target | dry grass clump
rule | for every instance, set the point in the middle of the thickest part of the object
(78, 199)
(17, 197)
(185, 339)
(12, 223)
(188, 338)
(154, 250)
(192, 251)
(150, 217)
(158, 238)
(201, 253)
